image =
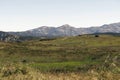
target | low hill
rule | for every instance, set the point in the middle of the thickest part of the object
(4, 36)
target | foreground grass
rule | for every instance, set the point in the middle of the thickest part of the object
(70, 58)
(68, 76)
(24, 72)
(36, 75)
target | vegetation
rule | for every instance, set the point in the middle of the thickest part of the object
(84, 57)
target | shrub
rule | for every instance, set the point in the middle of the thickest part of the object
(96, 35)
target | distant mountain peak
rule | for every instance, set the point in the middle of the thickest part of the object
(43, 27)
(66, 26)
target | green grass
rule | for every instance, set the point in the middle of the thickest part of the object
(62, 66)
(67, 54)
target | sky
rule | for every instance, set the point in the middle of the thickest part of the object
(21, 15)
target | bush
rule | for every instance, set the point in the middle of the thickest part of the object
(96, 35)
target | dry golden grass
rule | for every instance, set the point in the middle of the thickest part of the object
(90, 75)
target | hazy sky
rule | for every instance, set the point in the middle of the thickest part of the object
(18, 15)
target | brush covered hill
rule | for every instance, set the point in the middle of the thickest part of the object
(82, 57)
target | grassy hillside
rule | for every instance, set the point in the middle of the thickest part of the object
(69, 58)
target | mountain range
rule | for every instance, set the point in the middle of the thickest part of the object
(65, 30)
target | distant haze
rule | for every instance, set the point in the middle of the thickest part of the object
(21, 15)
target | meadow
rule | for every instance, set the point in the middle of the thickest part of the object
(84, 57)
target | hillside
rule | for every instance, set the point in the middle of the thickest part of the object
(4, 36)
(73, 58)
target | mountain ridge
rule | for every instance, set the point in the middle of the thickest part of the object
(67, 30)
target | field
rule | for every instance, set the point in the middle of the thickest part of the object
(83, 57)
